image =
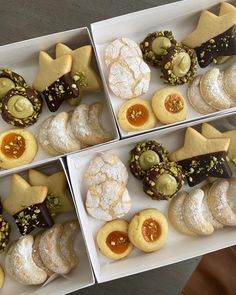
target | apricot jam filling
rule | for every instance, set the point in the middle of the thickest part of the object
(151, 230)
(13, 145)
(174, 103)
(118, 242)
(137, 115)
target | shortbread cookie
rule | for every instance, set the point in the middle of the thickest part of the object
(5, 231)
(50, 250)
(218, 203)
(58, 197)
(27, 205)
(201, 157)
(175, 214)
(212, 91)
(20, 264)
(69, 233)
(144, 156)
(113, 241)
(106, 167)
(193, 213)
(82, 72)
(18, 147)
(155, 46)
(121, 48)
(43, 138)
(59, 135)
(129, 78)
(108, 201)
(196, 99)
(169, 105)
(148, 230)
(229, 83)
(86, 124)
(136, 114)
(2, 277)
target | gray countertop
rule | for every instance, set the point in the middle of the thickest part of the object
(24, 19)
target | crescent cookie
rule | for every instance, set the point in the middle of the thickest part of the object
(175, 214)
(212, 91)
(193, 215)
(231, 194)
(195, 98)
(121, 48)
(229, 81)
(108, 201)
(148, 230)
(106, 167)
(113, 241)
(218, 203)
(129, 78)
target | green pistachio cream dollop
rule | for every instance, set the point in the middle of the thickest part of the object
(5, 85)
(20, 107)
(148, 159)
(166, 184)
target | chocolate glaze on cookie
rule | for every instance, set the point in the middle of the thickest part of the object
(198, 168)
(221, 45)
(163, 181)
(35, 216)
(63, 88)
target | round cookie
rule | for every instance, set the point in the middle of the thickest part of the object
(136, 114)
(163, 181)
(179, 65)
(129, 78)
(106, 167)
(108, 201)
(229, 81)
(196, 99)
(169, 105)
(155, 46)
(175, 214)
(148, 230)
(121, 48)
(18, 147)
(144, 156)
(212, 91)
(113, 241)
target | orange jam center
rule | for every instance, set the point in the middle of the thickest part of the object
(13, 145)
(137, 115)
(118, 242)
(174, 103)
(151, 230)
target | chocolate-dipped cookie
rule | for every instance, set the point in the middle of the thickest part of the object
(10, 80)
(155, 46)
(144, 156)
(179, 65)
(5, 231)
(21, 107)
(163, 181)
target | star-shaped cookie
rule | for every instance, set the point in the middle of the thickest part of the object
(210, 132)
(58, 199)
(22, 195)
(88, 80)
(226, 8)
(195, 144)
(51, 70)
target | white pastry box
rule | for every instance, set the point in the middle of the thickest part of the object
(80, 277)
(22, 58)
(178, 246)
(180, 18)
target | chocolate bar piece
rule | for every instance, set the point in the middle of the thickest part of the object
(32, 217)
(198, 168)
(62, 89)
(221, 45)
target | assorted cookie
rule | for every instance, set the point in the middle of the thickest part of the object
(5, 231)
(2, 277)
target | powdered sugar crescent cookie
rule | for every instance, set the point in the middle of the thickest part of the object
(175, 214)
(60, 136)
(232, 193)
(43, 138)
(129, 78)
(20, 264)
(212, 91)
(121, 48)
(229, 81)
(87, 126)
(193, 214)
(108, 201)
(196, 99)
(218, 203)
(106, 167)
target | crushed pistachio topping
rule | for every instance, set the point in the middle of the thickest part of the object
(4, 233)
(53, 201)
